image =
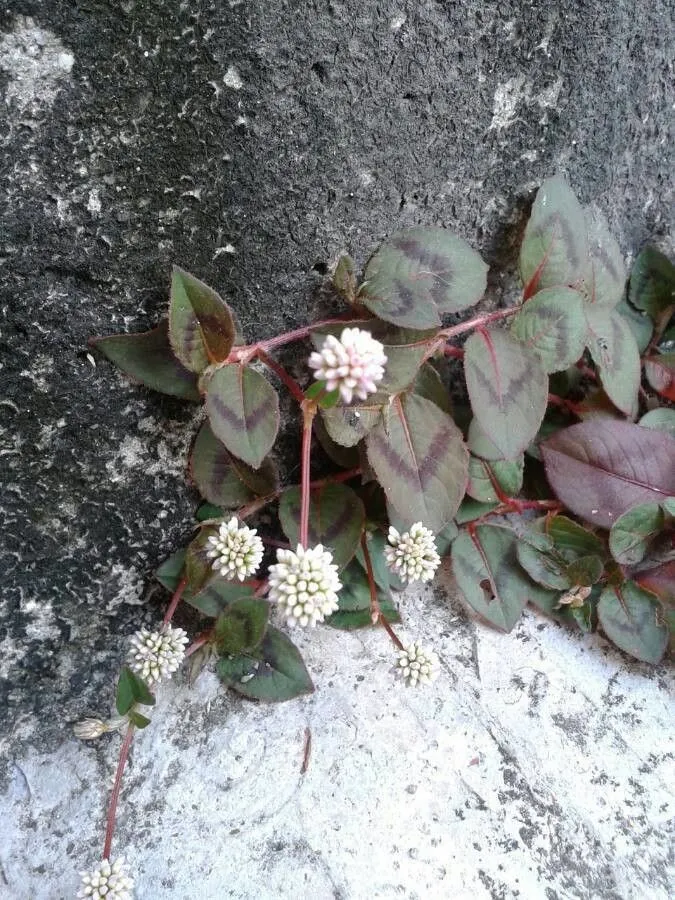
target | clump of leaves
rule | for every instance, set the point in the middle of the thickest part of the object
(556, 490)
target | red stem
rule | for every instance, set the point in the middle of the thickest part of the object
(114, 797)
(390, 631)
(175, 600)
(197, 644)
(278, 369)
(308, 413)
(300, 333)
(478, 322)
(257, 504)
(375, 612)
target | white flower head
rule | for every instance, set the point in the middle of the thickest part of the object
(109, 881)
(412, 555)
(416, 665)
(236, 551)
(155, 655)
(353, 364)
(305, 584)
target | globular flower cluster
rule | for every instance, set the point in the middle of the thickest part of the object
(305, 584)
(417, 665)
(156, 655)
(109, 881)
(412, 555)
(236, 551)
(353, 364)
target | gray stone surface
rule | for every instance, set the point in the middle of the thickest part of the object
(250, 142)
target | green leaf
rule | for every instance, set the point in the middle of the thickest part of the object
(546, 567)
(632, 532)
(548, 602)
(639, 323)
(354, 598)
(508, 389)
(243, 409)
(669, 506)
(420, 460)
(660, 372)
(242, 626)
(554, 251)
(346, 457)
(130, 690)
(148, 359)
(470, 510)
(198, 567)
(487, 572)
(336, 519)
(201, 328)
(652, 283)
(585, 571)
(612, 346)
(662, 419)
(344, 277)
(347, 425)
(552, 325)
(212, 471)
(170, 573)
(206, 511)
(218, 595)
(137, 719)
(606, 277)
(428, 384)
(486, 476)
(633, 619)
(421, 274)
(276, 673)
(570, 538)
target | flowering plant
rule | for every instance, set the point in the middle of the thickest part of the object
(538, 481)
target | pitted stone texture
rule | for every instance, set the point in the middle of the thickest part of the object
(537, 766)
(250, 142)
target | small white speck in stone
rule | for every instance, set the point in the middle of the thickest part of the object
(397, 22)
(232, 79)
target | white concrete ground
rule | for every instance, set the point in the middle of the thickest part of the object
(539, 766)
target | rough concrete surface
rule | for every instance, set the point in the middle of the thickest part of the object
(250, 142)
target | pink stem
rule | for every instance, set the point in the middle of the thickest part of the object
(114, 797)
(278, 369)
(375, 612)
(175, 600)
(478, 322)
(308, 413)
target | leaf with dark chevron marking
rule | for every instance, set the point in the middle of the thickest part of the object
(605, 280)
(554, 251)
(224, 480)
(421, 461)
(336, 519)
(489, 576)
(508, 389)
(201, 327)
(635, 620)
(347, 425)
(243, 409)
(147, 357)
(421, 274)
(611, 343)
(552, 324)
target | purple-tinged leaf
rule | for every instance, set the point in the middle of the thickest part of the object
(652, 283)
(554, 251)
(660, 580)
(490, 479)
(570, 538)
(662, 419)
(347, 457)
(241, 627)
(546, 567)
(428, 384)
(660, 372)
(212, 471)
(470, 510)
(488, 574)
(147, 357)
(344, 277)
(614, 351)
(201, 327)
(420, 460)
(508, 389)
(347, 425)
(243, 410)
(632, 533)
(336, 519)
(605, 280)
(602, 468)
(634, 620)
(274, 672)
(421, 274)
(217, 595)
(585, 571)
(552, 324)
(198, 567)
